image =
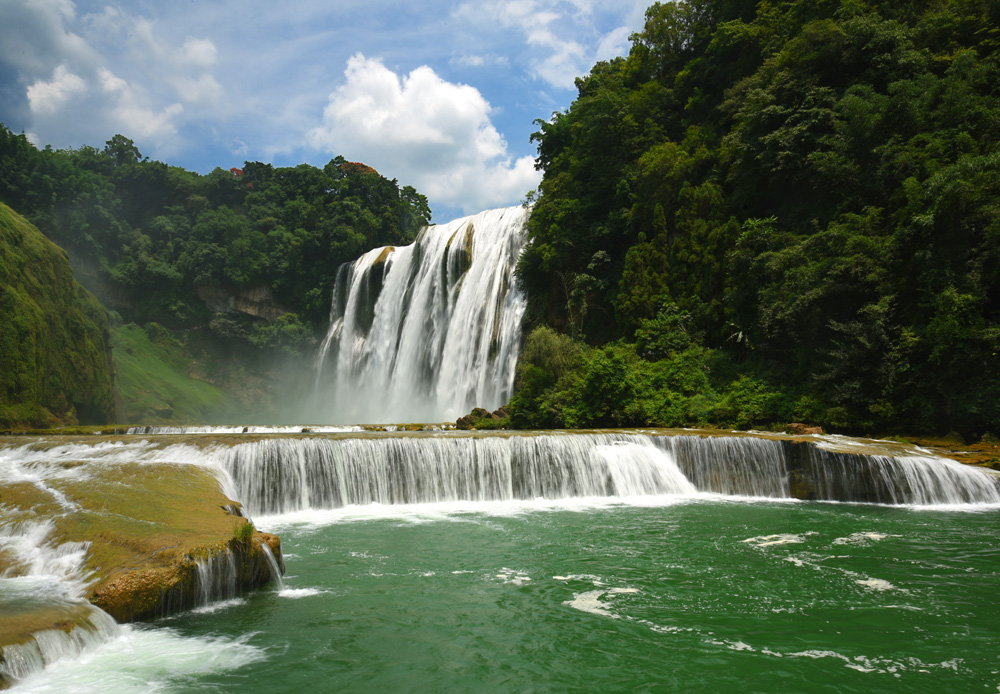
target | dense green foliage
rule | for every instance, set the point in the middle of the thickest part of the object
(55, 351)
(145, 235)
(238, 264)
(807, 190)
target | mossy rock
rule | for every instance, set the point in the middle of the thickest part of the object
(147, 525)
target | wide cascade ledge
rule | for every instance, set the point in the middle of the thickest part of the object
(279, 473)
(275, 475)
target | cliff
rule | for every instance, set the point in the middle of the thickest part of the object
(55, 349)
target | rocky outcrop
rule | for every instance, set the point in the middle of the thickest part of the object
(258, 302)
(159, 538)
(157, 591)
(481, 418)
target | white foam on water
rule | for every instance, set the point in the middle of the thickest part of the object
(141, 660)
(877, 584)
(513, 576)
(862, 538)
(777, 539)
(453, 511)
(295, 593)
(590, 601)
(219, 606)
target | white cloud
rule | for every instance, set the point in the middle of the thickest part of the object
(562, 36)
(48, 97)
(424, 131)
(198, 53)
(613, 44)
(115, 75)
(477, 60)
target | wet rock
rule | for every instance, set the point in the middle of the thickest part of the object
(799, 429)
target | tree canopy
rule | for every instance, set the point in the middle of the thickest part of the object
(145, 235)
(812, 184)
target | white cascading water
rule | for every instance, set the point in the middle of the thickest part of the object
(425, 332)
(283, 475)
(216, 576)
(49, 577)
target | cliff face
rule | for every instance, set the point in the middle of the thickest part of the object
(55, 348)
(258, 302)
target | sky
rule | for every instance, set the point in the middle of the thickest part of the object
(441, 95)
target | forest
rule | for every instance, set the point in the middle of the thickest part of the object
(159, 245)
(147, 234)
(769, 212)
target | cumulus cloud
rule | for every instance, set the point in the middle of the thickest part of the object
(424, 131)
(67, 92)
(48, 97)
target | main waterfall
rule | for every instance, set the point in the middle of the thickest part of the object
(427, 331)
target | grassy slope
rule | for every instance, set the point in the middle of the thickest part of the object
(55, 359)
(154, 383)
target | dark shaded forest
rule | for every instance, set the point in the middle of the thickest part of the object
(146, 236)
(774, 211)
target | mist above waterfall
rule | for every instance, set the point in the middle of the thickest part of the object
(425, 332)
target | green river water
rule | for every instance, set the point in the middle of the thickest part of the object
(700, 595)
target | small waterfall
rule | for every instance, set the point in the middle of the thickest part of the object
(731, 466)
(44, 583)
(19, 660)
(425, 332)
(216, 577)
(273, 476)
(919, 480)
(272, 566)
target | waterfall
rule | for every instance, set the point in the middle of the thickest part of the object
(44, 583)
(918, 480)
(282, 475)
(729, 465)
(216, 577)
(273, 567)
(425, 332)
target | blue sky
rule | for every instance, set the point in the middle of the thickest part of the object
(439, 95)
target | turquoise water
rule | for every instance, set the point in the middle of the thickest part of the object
(697, 595)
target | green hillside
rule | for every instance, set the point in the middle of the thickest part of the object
(55, 349)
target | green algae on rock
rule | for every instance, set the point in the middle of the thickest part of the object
(149, 529)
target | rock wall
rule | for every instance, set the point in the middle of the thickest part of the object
(258, 302)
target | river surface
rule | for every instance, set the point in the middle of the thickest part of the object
(646, 595)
